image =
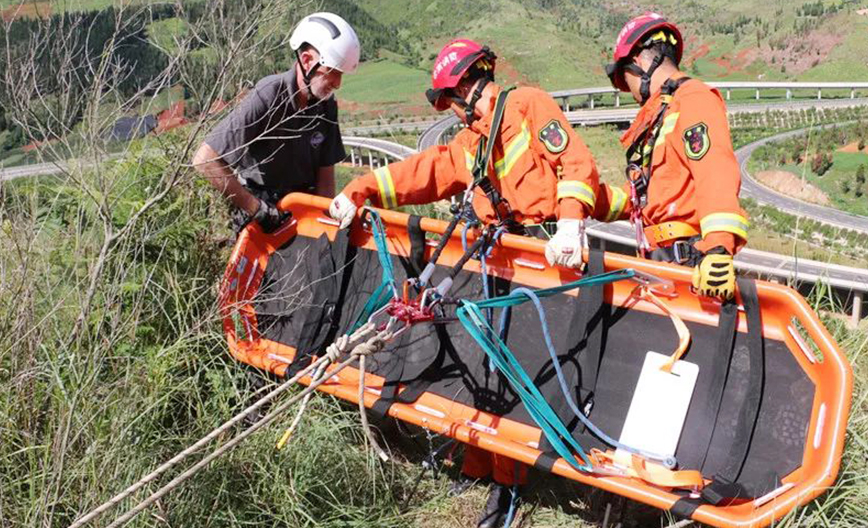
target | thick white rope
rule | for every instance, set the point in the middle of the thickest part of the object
(369, 433)
(333, 351)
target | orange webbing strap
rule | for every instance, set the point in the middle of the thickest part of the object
(646, 294)
(667, 231)
(667, 478)
(607, 463)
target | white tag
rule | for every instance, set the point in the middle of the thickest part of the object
(659, 405)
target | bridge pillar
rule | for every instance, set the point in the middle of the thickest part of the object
(789, 94)
(857, 307)
(728, 94)
(353, 156)
(757, 94)
(852, 93)
(819, 93)
(617, 99)
(566, 104)
(371, 160)
(591, 101)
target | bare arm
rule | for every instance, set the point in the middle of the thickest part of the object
(208, 163)
(325, 181)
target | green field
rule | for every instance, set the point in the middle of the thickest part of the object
(385, 82)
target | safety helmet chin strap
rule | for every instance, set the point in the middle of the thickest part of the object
(307, 75)
(645, 87)
(469, 107)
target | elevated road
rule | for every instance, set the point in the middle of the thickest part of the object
(753, 189)
(433, 135)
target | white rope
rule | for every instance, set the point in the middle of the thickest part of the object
(332, 353)
(369, 434)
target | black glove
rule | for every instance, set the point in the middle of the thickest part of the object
(269, 218)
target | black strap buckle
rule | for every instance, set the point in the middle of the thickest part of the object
(682, 251)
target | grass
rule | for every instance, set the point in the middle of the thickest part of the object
(385, 82)
(81, 419)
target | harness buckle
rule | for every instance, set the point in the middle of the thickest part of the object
(681, 251)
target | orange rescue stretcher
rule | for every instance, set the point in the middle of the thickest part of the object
(764, 430)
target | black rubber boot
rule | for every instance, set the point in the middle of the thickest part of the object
(497, 507)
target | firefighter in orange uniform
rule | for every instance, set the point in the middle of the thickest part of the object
(540, 171)
(683, 177)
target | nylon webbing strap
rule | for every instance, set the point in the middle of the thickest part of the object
(483, 156)
(749, 412)
(699, 441)
(725, 486)
(586, 326)
(413, 388)
(326, 271)
(417, 246)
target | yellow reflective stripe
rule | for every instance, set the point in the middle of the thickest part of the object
(666, 128)
(616, 205)
(387, 187)
(469, 160)
(576, 189)
(513, 152)
(724, 222)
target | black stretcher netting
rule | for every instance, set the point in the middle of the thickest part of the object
(457, 368)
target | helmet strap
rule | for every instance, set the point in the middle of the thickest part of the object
(645, 87)
(307, 75)
(477, 94)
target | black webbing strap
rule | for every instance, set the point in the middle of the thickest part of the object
(326, 273)
(725, 487)
(412, 390)
(588, 325)
(417, 246)
(483, 156)
(649, 137)
(699, 440)
(749, 412)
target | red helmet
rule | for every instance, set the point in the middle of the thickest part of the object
(453, 62)
(633, 34)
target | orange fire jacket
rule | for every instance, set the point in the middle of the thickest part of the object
(539, 165)
(695, 177)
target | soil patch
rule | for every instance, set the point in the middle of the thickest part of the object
(852, 148)
(799, 54)
(791, 185)
(28, 10)
(700, 52)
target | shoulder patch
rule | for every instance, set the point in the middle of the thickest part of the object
(696, 141)
(554, 137)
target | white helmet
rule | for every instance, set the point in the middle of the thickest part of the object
(333, 38)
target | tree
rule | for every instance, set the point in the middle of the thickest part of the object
(860, 175)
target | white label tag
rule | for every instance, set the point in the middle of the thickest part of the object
(659, 405)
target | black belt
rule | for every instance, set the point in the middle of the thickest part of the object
(682, 251)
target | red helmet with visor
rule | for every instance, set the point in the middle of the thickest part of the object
(639, 33)
(453, 62)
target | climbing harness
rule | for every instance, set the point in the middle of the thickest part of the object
(639, 158)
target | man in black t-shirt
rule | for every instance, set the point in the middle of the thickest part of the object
(284, 135)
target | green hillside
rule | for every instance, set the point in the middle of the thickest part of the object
(558, 44)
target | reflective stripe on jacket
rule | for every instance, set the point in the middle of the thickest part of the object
(540, 166)
(695, 177)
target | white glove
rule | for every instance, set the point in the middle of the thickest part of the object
(565, 248)
(343, 210)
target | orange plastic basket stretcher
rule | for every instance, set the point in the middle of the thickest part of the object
(786, 318)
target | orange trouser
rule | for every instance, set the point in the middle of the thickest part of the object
(479, 463)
